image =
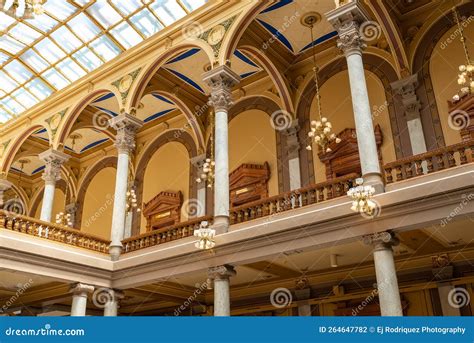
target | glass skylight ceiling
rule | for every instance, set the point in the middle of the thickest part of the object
(72, 38)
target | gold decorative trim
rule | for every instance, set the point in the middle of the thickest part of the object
(3, 148)
(55, 120)
(215, 35)
(124, 84)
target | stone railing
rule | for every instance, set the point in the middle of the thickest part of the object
(52, 232)
(429, 162)
(167, 234)
(291, 200)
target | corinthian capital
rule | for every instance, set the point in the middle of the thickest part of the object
(221, 272)
(381, 240)
(127, 127)
(221, 80)
(53, 160)
(347, 19)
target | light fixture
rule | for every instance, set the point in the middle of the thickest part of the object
(206, 236)
(26, 9)
(320, 129)
(64, 218)
(74, 137)
(361, 198)
(132, 202)
(208, 168)
(466, 75)
(334, 263)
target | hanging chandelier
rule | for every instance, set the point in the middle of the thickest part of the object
(132, 202)
(206, 236)
(22, 9)
(208, 168)
(466, 71)
(361, 198)
(321, 129)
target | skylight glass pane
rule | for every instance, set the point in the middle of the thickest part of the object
(105, 48)
(38, 88)
(59, 8)
(12, 105)
(35, 61)
(16, 70)
(87, 59)
(4, 57)
(66, 39)
(126, 35)
(5, 21)
(84, 28)
(104, 14)
(7, 84)
(55, 78)
(168, 11)
(43, 22)
(146, 22)
(24, 34)
(82, 2)
(4, 116)
(24, 98)
(193, 4)
(49, 50)
(127, 7)
(71, 69)
(11, 45)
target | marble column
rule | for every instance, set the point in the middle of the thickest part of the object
(221, 81)
(127, 127)
(385, 272)
(406, 89)
(111, 305)
(79, 299)
(198, 163)
(292, 149)
(347, 19)
(52, 172)
(220, 275)
(5, 185)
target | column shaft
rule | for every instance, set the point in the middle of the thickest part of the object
(120, 201)
(111, 308)
(221, 189)
(221, 298)
(79, 305)
(48, 202)
(387, 284)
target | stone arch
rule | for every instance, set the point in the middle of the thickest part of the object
(421, 64)
(109, 161)
(387, 74)
(174, 135)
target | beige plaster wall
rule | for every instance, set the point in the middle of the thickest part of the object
(337, 107)
(98, 204)
(445, 60)
(252, 139)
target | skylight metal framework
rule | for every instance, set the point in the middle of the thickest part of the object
(41, 56)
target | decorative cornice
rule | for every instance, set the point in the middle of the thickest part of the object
(223, 272)
(127, 127)
(221, 80)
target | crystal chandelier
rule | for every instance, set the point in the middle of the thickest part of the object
(361, 198)
(209, 165)
(26, 9)
(320, 129)
(466, 75)
(206, 236)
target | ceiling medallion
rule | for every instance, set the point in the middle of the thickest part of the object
(26, 9)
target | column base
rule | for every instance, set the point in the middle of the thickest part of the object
(375, 180)
(221, 224)
(115, 251)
